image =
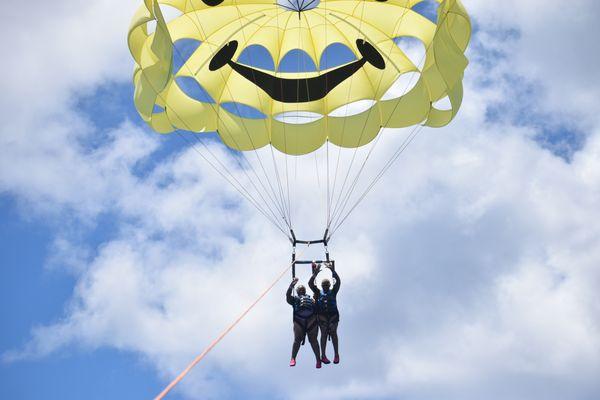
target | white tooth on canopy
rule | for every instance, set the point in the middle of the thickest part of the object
(265, 23)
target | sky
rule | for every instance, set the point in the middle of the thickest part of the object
(471, 271)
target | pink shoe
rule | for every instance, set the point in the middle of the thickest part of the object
(336, 359)
(318, 364)
(293, 362)
(325, 360)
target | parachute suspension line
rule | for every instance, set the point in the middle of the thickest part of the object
(287, 22)
(295, 187)
(359, 29)
(337, 165)
(336, 222)
(328, 211)
(285, 202)
(243, 169)
(353, 186)
(328, 200)
(361, 169)
(344, 124)
(286, 210)
(314, 46)
(241, 190)
(279, 184)
(278, 205)
(298, 69)
(287, 177)
(199, 29)
(287, 185)
(225, 332)
(246, 195)
(415, 131)
(271, 216)
(308, 91)
(388, 164)
(279, 179)
(282, 197)
(339, 209)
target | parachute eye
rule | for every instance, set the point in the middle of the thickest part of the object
(212, 3)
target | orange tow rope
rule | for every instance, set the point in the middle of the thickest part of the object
(220, 337)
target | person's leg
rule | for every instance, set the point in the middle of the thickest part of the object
(298, 336)
(323, 329)
(334, 340)
(313, 340)
(312, 333)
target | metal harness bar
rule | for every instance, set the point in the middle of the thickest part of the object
(324, 241)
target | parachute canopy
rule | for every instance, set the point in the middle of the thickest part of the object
(288, 74)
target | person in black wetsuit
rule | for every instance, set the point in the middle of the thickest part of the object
(305, 321)
(328, 314)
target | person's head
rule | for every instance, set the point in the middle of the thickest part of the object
(326, 284)
(301, 290)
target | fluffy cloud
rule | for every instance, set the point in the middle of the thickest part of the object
(470, 271)
(553, 49)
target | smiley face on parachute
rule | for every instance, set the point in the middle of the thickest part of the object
(280, 72)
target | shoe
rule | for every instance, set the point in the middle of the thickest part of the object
(336, 359)
(318, 364)
(293, 362)
(325, 360)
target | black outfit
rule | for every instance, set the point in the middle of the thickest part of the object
(327, 310)
(305, 321)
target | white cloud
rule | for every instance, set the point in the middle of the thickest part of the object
(555, 49)
(470, 271)
(60, 48)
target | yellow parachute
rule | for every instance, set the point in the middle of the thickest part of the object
(226, 28)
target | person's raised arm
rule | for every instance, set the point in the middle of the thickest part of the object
(338, 282)
(311, 282)
(288, 295)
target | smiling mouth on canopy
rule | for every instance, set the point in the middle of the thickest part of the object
(299, 90)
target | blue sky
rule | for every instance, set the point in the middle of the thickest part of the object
(112, 237)
(33, 294)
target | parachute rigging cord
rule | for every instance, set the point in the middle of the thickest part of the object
(225, 332)
(345, 198)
